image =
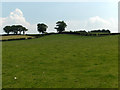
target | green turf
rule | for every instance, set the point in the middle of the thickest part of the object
(61, 61)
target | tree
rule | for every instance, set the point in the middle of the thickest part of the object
(61, 25)
(19, 28)
(101, 31)
(42, 28)
(15, 29)
(24, 30)
(7, 29)
(108, 31)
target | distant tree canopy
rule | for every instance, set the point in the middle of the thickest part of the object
(42, 28)
(60, 26)
(7, 29)
(15, 29)
(101, 31)
(81, 31)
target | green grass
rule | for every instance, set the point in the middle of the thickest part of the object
(61, 61)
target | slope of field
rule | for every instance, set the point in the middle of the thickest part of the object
(61, 61)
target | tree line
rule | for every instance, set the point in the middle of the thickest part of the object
(60, 27)
(41, 27)
(94, 31)
(15, 29)
(102, 31)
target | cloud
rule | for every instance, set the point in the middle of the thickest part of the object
(97, 19)
(16, 17)
(99, 23)
(92, 23)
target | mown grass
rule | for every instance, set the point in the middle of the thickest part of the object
(61, 61)
(14, 37)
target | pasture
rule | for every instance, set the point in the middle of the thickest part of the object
(61, 61)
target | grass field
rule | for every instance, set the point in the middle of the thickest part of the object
(61, 61)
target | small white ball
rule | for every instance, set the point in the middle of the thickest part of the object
(15, 77)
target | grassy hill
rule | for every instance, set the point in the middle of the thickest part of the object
(61, 61)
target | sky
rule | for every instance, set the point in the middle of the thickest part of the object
(77, 15)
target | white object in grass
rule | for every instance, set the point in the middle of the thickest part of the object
(15, 77)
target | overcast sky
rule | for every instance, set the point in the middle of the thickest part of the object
(77, 15)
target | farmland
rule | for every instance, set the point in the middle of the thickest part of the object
(14, 37)
(61, 61)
